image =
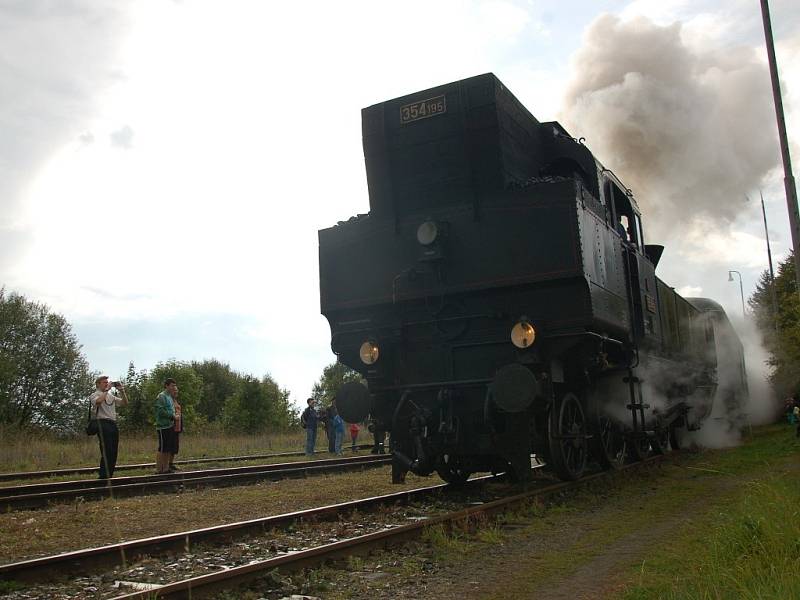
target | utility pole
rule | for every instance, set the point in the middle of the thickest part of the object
(774, 293)
(788, 177)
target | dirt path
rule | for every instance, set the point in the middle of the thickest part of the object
(587, 547)
(575, 555)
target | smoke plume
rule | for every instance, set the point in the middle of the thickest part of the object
(688, 130)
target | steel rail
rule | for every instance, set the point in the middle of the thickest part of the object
(199, 586)
(126, 552)
(39, 495)
(56, 486)
(133, 467)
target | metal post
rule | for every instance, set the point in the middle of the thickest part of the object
(788, 178)
(741, 288)
(774, 292)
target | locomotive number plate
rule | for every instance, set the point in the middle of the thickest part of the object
(423, 109)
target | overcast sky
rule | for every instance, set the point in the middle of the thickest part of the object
(165, 166)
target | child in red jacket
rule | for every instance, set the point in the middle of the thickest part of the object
(354, 434)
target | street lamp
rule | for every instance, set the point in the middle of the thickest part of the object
(741, 289)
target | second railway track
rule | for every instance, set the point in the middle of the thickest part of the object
(42, 494)
(23, 475)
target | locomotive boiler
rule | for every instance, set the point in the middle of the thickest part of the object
(500, 299)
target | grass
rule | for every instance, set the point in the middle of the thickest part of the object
(21, 451)
(749, 550)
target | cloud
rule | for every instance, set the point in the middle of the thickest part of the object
(56, 57)
(123, 137)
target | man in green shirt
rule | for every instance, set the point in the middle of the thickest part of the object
(165, 425)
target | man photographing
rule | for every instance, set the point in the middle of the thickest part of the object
(104, 409)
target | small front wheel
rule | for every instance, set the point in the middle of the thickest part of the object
(452, 470)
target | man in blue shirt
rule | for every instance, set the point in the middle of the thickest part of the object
(309, 420)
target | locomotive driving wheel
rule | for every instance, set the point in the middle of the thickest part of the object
(610, 446)
(452, 470)
(567, 437)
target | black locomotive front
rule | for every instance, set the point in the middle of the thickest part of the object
(499, 295)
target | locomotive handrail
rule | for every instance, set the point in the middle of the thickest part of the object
(433, 384)
(604, 338)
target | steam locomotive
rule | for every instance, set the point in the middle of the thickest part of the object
(500, 300)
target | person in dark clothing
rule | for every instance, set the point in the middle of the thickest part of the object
(104, 408)
(330, 430)
(796, 412)
(379, 435)
(309, 420)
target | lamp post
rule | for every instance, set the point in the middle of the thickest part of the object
(741, 289)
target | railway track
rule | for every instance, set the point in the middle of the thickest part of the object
(22, 475)
(120, 554)
(228, 577)
(39, 495)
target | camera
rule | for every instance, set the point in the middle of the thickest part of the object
(116, 384)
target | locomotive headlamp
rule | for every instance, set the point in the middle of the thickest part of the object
(523, 334)
(369, 352)
(427, 233)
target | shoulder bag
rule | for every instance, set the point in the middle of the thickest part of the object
(92, 426)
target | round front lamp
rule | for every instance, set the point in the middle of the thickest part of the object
(427, 233)
(523, 334)
(369, 352)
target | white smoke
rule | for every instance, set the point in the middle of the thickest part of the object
(762, 405)
(683, 127)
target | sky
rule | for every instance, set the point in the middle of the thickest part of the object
(165, 166)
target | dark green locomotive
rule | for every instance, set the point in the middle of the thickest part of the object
(500, 300)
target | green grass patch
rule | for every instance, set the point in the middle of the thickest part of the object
(6, 587)
(749, 550)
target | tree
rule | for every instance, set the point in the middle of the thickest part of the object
(334, 376)
(137, 415)
(782, 344)
(44, 377)
(282, 414)
(220, 382)
(256, 406)
(190, 388)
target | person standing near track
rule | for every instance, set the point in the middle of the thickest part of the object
(338, 429)
(178, 430)
(104, 408)
(309, 420)
(165, 425)
(330, 430)
(354, 429)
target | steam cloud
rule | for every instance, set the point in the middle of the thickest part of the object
(690, 131)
